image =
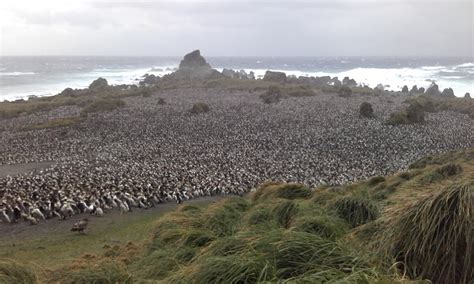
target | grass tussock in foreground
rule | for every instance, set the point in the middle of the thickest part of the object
(394, 229)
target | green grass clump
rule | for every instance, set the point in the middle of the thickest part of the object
(325, 226)
(12, 272)
(356, 210)
(432, 238)
(300, 253)
(234, 269)
(294, 191)
(198, 238)
(260, 216)
(156, 265)
(224, 220)
(285, 212)
(108, 271)
(376, 180)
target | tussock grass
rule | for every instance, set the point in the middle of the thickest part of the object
(376, 180)
(294, 191)
(325, 226)
(285, 213)
(301, 253)
(94, 271)
(13, 272)
(356, 210)
(224, 220)
(234, 269)
(432, 238)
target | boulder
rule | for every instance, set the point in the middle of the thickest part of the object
(433, 90)
(349, 82)
(345, 91)
(229, 73)
(99, 83)
(380, 88)
(335, 82)
(414, 90)
(467, 96)
(273, 76)
(366, 110)
(421, 90)
(405, 89)
(448, 92)
(251, 75)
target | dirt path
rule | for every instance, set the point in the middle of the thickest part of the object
(12, 170)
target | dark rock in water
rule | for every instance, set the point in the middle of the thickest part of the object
(272, 95)
(273, 76)
(414, 90)
(415, 113)
(405, 89)
(467, 96)
(349, 82)
(345, 91)
(149, 80)
(99, 83)
(448, 92)
(433, 90)
(366, 110)
(194, 60)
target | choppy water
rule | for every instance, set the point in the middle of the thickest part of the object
(21, 77)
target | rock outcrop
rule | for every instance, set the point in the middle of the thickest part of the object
(467, 96)
(273, 76)
(349, 82)
(405, 89)
(194, 67)
(433, 90)
(99, 83)
(448, 92)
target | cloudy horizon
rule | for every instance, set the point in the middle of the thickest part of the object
(241, 28)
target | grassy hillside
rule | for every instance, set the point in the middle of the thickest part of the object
(410, 227)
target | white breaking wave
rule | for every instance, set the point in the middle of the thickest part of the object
(16, 73)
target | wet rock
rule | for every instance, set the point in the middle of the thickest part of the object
(349, 82)
(433, 90)
(99, 83)
(405, 89)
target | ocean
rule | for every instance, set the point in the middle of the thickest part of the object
(21, 77)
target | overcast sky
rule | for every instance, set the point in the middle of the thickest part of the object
(219, 28)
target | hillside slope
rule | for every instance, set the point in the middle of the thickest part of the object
(413, 226)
